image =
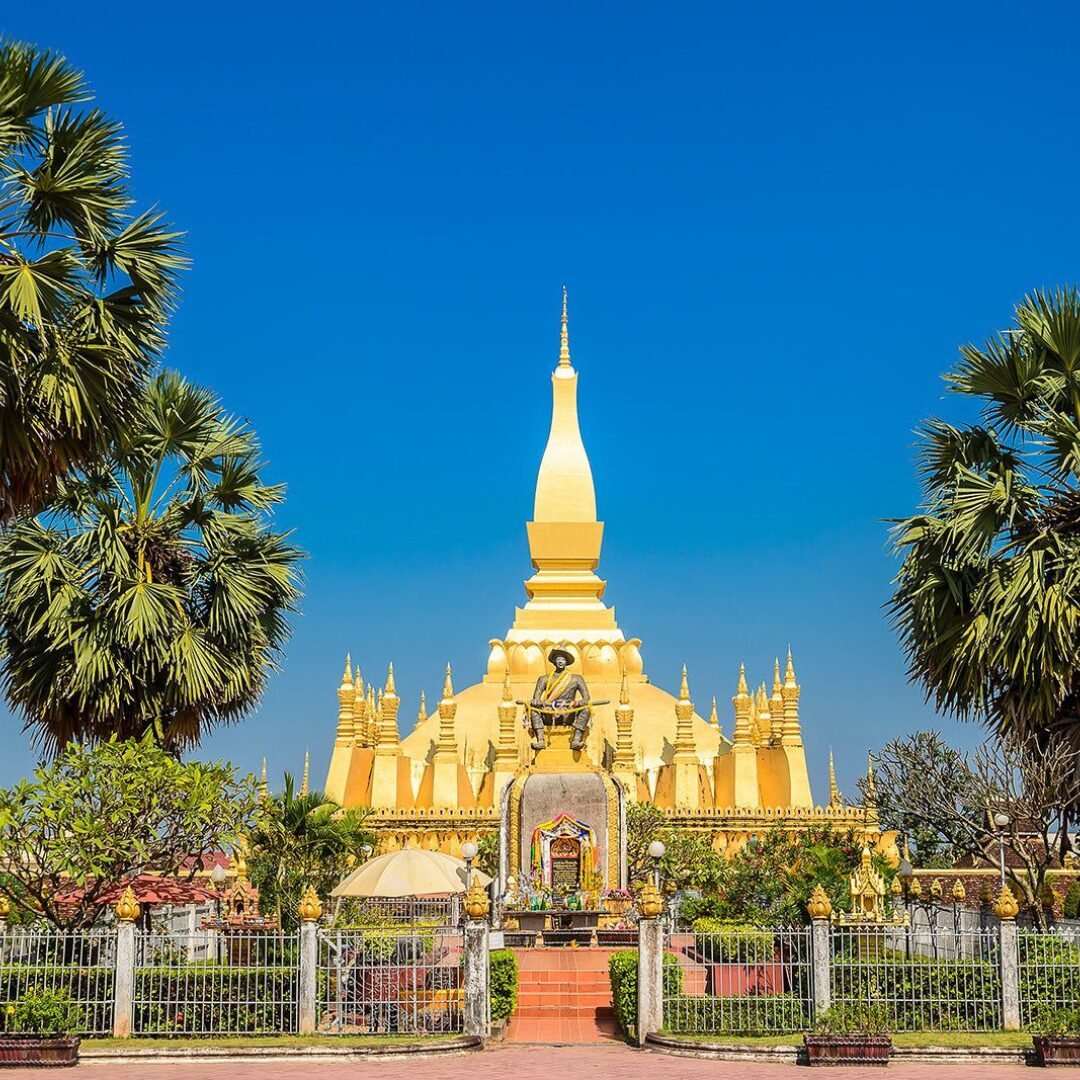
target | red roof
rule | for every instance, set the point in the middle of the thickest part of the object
(149, 889)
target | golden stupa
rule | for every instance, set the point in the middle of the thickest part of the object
(444, 783)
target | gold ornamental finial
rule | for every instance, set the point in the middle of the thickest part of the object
(1005, 906)
(310, 907)
(959, 893)
(564, 336)
(346, 675)
(789, 671)
(390, 688)
(776, 681)
(684, 686)
(834, 791)
(307, 773)
(264, 790)
(448, 684)
(358, 682)
(127, 907)
(819, 906)
(871, 792)
(650, 902)
(714, 717)
(421, 716)
(741, 688)
(477, 904)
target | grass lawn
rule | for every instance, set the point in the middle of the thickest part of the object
(965, 1039)
(240, 1042)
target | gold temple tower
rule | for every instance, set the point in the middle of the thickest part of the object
(444, 783)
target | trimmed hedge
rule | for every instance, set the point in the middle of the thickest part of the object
(733, 943)
(504, 983)
(758, 1014)
(623, 973)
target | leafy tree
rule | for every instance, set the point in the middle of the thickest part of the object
(98, 815)
(487, 852)
(153, 596)
(689, 861)
(86, 283)
(301, 839)
(987, 599)
(951, 798)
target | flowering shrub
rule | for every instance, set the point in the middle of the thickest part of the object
(42, 1011)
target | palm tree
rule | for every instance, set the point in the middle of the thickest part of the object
(153, 596)
(303, 838)
(86, 284)
(987, 599)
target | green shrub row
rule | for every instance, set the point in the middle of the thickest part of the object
(733, 943)
(89, 988)
(753, 1015)
(504, 983)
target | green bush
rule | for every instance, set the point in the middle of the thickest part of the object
(210, 998)
(41, 1011)
(1049, 974)
(733, 943)
(922, 993)
(757, 1014)
(1072, 901)
(90, 989)
(853, 1018)
(622, 971)
(1055, 1021)
(504, 984)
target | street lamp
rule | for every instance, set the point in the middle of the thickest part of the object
(217, 876)
(656, 853)
(1002, 822)
(468, 853)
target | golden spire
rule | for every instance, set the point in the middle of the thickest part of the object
(623, 761)
(506, 751)
(741, 690)
(264, 791)
(742, 703)
(387, 738)
(714, 718)
(446, 747)
(307, 773)
(766, 726)
(835, 800)
(684, 686)
(421, 715)
(791, 732)
(789, 672)
(346, 676)
(564, 337)
(390, 688)
(346, 699)
(871, 793)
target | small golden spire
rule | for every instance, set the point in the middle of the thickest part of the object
(834, 791)
(264, 791)
(714, 718)
(564, 337)
(684, 686)
(776, 682)
(421, 716)
(307, 773)
(871, 793)
(508, 690)
(390, 689)
(448, 684)
(358, 682)
(624, 691)
(789, 673)
(741, 688)
(346, 675)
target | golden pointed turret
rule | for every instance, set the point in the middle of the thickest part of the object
(835, 799)
(446, 747)
(714, 718)
(421, 714)
(359, 709)
(564, 335)
(307, 773)
(741, 701)
(388, 738)
(764, 717)
(792, 733)
(506, 751)
(346, 698)
(346, 678)
(871, 792)
(623, 762)
(264, 789)
(684, 722)
(390, 688)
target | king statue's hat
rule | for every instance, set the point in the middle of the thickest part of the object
(567, 656)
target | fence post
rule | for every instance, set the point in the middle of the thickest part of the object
(310, 913)
(127, 911)
(1006, 909)
(650, 980)
(477, 1018)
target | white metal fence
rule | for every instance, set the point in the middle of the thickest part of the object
(245, 985)
(922, 980)
(739, 981)
(80, 962)
(1049, 975)
(396, 980)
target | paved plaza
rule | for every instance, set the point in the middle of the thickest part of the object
(522, 1063)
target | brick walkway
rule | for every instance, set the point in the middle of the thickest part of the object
(523, 1063)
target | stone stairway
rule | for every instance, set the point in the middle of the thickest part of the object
(564, 996)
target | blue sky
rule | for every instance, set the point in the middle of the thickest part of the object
(777, 223)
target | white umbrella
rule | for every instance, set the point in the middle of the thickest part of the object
(409, 872)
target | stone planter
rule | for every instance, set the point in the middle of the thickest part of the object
(1052, 1050)
(26, 1051)
(847, 1049)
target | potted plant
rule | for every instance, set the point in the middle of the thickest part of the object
(1058, 1041)
(850, 1035)
(37, 1030)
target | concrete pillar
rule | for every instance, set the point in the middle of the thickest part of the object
(1010, 975)
(650, 986)
(820, 965)
(309, 964)
(124, 980)
(477, 979)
